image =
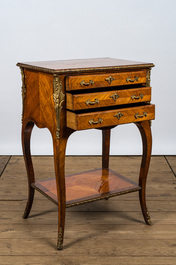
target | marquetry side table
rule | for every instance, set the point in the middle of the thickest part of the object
(66, 96)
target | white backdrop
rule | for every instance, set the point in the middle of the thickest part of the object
(40, 30)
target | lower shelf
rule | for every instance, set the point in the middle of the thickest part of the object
(88, 187)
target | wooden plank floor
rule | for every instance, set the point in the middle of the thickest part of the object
(100, 233)
(3, 163)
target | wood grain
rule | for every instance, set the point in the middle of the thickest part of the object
(116, 224)
(87, 186)
(124, 247)
(84, 65)
(102, 260)
(146, 135)
(81, 121)
(158, 187)
(126, 203)
(100, 80)
(172, 163)
(44, 105)
(106, 135)
(38, 103)
(125, 96)
(3, 163)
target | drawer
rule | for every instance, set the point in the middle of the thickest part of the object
(108, 98)
(105, 80)
(82, 121)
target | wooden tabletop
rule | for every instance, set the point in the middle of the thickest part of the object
(83, 65)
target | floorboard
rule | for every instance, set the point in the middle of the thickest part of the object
(3, 163)
(100, 233)
(172, 163)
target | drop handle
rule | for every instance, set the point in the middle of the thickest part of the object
(88, 102)
(137, 115)
(137, 97)
(118, 115)
(110, 79)
(115, 96)
(129, 79)
(83, 83)
(95, 122)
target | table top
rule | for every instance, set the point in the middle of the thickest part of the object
(83, 65)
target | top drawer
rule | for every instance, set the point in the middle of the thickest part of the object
(105, 80)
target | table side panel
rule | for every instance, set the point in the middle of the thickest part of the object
(31, 100)
(39, 104)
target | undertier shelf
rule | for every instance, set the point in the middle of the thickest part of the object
(88, 186)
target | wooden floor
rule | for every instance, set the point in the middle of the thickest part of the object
(100, 233)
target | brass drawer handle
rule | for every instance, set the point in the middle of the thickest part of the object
(110, 79)
(140, 116)
(88, 102)
(95, 122)
(83, 83)
(118, 115)
(137, 97)
(115, 96)
(132, 80)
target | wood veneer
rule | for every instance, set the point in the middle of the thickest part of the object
(101, 80)
(44, 86)
(88, 186)
(81, 121)
(84, 65)
(107, 98)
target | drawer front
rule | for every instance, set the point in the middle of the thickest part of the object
(105, 80)
(109, 98)
(110, 118)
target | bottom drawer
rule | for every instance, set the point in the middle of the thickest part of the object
(97, 119)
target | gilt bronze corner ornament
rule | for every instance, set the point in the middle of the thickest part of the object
(23, 91)
(58, 97)
(60, 239)
(148, 77)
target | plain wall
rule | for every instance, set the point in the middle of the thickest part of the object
(40, 30)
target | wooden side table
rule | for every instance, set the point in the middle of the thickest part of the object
(66, 96)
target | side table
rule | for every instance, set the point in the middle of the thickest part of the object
(66, 96)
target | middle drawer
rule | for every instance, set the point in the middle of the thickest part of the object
(107, 98)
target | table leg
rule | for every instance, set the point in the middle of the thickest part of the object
(59, 164)
(145, 130)
(106, 133)
(26, 136)
(105, 147)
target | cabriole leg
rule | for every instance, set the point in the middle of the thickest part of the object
(59, 163)
(26, 136)
(145, 130)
